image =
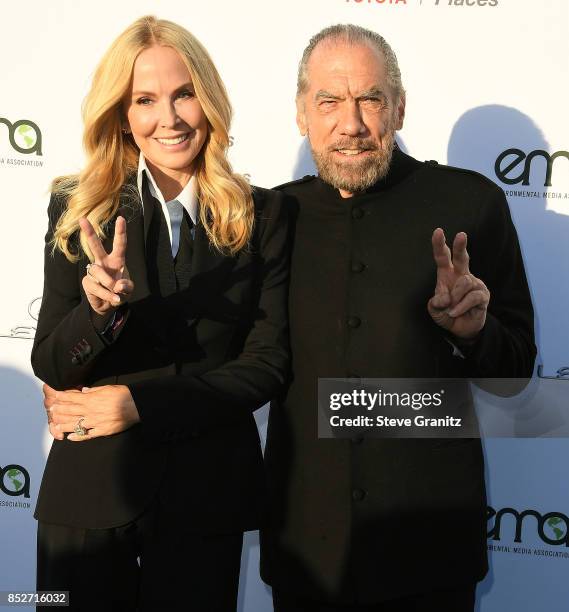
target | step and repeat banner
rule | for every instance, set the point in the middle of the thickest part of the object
(487, 89)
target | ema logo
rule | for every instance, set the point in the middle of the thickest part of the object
(24, 136)
(504, 167)
(14, 480)
(552, 528)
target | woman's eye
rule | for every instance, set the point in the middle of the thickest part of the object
(144, 101)
(186, 93)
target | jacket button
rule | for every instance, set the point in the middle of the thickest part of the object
(354, 322)
(358, 266)
(358, 494)
(357, 213)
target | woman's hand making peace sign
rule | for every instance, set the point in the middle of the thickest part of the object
(107, 283)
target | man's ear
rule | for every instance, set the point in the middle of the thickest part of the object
(301, 117)
(400, 112)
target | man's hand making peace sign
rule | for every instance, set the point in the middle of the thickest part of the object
(107, 283)
(461, 300)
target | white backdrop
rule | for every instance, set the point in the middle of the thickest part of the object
(480, 80)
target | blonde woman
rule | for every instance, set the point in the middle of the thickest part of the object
(162, 328)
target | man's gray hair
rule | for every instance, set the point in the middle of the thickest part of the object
(352, 35)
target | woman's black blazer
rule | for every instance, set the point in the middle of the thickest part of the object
(197, 363)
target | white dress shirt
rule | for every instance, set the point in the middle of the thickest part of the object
(187, 198)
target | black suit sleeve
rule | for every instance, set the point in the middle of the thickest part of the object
(187, 404)
(505, 347)
(66, 344)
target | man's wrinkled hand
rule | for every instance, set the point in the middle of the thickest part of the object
(460, 302)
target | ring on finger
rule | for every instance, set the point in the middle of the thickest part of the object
(88, 268)
(79, 429)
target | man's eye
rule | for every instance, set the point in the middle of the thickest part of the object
(374, 101)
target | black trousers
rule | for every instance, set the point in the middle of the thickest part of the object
(453, 600)
(150, 564)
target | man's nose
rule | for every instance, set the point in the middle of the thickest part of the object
(351, 121)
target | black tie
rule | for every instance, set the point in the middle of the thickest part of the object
(166, 275)
(183, 259)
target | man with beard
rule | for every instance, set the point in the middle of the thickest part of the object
(384, 524)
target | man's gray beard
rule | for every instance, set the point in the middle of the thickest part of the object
(353, 176)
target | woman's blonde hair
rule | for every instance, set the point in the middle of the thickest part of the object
(226, 205)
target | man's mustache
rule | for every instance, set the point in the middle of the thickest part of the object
(353, 143)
